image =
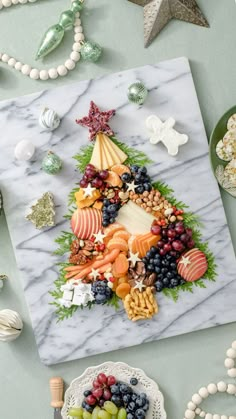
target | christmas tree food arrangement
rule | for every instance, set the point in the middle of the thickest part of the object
(131, 239)
(109, 398)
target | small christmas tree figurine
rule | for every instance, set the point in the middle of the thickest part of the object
(43, 212)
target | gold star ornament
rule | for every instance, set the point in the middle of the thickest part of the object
(157, 13)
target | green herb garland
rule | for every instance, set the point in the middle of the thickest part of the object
(190, 220)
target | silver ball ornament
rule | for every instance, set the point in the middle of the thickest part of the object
(51, 163)
(137, 93)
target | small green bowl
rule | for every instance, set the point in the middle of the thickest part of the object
(216, 163)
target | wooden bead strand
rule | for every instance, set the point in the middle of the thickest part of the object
(52, 73)
(193, 408)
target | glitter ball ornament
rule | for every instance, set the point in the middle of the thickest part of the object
(51, 163)
(24, 150)
(90, 51)
(137, 93)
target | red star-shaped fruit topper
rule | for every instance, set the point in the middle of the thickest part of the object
(97, 121)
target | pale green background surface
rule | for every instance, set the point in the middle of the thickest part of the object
(180, 365)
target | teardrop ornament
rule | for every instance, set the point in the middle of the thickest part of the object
(50, 41)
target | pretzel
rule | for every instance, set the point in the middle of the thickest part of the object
(140, 305)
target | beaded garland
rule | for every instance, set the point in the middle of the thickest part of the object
(193, 408)
(52, 73)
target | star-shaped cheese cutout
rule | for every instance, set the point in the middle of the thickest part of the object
(99, 237)
(139, 285)
(134, 258)
(97, 121)
(157, 13)
(131, 186)
(95, 274)
(165, 133)
(185, 261)
(88, 191)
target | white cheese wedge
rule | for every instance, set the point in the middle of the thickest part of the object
(135, 219)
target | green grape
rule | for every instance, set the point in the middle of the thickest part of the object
(113, 416)
(95, 412)
(87, 415)
(111, 408)
(102, 414)
(76, 412)
(122, 414)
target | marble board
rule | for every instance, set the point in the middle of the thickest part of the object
(171, 93)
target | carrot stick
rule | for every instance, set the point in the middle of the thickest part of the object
(110, 257)
(104, 268)
(77, 267)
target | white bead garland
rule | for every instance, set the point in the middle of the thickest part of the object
(193, 408)
(52, 73)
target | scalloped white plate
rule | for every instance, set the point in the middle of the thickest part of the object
(123, 372)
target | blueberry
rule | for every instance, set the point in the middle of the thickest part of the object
(169, 275)
(112, 220)
(106, 202)
(164, 270)
(101, 402)
(134, 397)
(105, 217)
(130, 416)
(138, 177)
(126, 177)
(134, 168)
(105, 223)
(111, 208)
(124, 388)
(159, 286)
(87, 393)
(146, 407)
(117, 400)
(126, 398)
(174, 282)
(115, 389)
(133, 381)
(157, 269)
(150, 267)
(143, 396)
(140, 402)
(153, 250)
(147, 186)
(100, 298)
(131, 406)
(145, 260)
(148, 255)
(139, 189)
(84, 404)
(173, 265)
(142, 170)
(165, 282)
(140, 414)
(182, 282)
(89, 408)
(160, 277)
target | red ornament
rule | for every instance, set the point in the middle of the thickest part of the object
(97, 121)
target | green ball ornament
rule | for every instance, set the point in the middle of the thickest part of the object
(76, 6)
(137, 93)
(67, 20)
(51, 163)
(90, 51)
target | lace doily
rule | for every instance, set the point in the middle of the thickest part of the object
(123, 372)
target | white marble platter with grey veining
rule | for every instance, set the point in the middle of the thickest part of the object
(172, 93)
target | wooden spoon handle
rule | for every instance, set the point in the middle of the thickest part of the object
(56, 388)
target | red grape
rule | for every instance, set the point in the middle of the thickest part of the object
(103, 174)
(83, 183)
(184, 238)
(164, 232)
(178, 246)
(173, 253)
(101, 402)
(107, 394)
(90, 173)
(167, 247)
(111, 380)
(97, 183)
(91, 400)
(102, 378)
(189, 232)
(156, 229)
(179, 229)
(160, 243)
(171, 234)
(191, 244)
(162, 252)
(96, 384)
(90, 166)
(98, 392)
